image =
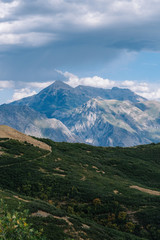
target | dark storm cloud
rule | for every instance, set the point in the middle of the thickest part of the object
(39, 36)
(122, 24)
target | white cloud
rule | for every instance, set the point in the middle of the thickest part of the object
(94, 81)
(24, 85)
(6, 84)
(153, 94)
(128, 83)
(22, 93)
(33, 39)
(146, 90)
(7, 9)
(136, 86)
(39, 85)
(25, 89)
(21, 89)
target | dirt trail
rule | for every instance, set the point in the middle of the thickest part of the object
(149, 191)
(71, 229)
(41, 213)
(21, 199)
(12, 164)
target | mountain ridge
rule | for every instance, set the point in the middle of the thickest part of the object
(120, 117)
(31, 122)
(59, 97)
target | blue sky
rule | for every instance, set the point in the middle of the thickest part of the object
(101, 43)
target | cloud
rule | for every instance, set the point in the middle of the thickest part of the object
(128, 83)
(24, 85)
(39, 85)
(119, 24)
(27, 39)
(146, 90)
(22, 93)
(20, 90)
(136, 86)
(6, 84)
(152, 95)
(7, 8)
(26, 89)
(87, 36)
(94, 81)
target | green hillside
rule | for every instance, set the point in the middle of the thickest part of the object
(83, 192)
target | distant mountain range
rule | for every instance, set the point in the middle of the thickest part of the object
(102, 117)
(59, 98)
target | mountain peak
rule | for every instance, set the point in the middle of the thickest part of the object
(60, 84)
(53, 87)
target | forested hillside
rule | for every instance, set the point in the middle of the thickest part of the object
(79, 191)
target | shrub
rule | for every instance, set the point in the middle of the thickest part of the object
(15, 226)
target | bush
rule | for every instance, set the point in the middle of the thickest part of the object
(14, 225)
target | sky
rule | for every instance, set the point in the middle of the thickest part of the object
(100, 43)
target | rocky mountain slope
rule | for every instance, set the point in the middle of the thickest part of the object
(29, 121)
(59, 97)
(102, 117)
(115, 123)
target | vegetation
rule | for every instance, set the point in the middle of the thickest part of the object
(14, 225)
(83, 192)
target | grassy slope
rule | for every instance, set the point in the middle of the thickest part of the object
(90, 185)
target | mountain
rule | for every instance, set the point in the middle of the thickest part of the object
(31, 122)
(81, 192)
(54, 100)
(115, 123)
(114, 93)
(101, 117)
(59, 98)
